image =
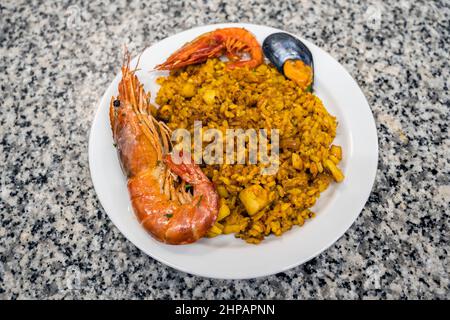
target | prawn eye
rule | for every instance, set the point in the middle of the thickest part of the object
(116, 103)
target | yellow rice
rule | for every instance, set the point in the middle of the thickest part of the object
(259, 98)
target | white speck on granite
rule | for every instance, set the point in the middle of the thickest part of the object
(56, 60)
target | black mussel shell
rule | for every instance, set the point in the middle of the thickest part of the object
(279, 47)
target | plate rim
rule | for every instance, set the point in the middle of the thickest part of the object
(212, 275)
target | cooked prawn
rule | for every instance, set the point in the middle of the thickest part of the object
(161, 203)
(233, 42)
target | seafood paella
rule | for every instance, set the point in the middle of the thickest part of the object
(226, 81)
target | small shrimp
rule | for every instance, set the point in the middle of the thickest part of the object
(230, 41)
(161, 203)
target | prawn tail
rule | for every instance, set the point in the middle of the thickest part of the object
(206, 199)
(184, 167)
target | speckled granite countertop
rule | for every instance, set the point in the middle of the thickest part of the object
(56, 60)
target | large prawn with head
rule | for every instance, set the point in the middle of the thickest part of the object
(160, 201)
(233, 42)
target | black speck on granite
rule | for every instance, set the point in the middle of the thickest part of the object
(56, 60)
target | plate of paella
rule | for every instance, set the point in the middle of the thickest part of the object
(233, 151)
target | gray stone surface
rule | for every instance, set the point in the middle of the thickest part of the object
(56, 59)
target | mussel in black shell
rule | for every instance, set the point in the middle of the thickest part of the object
(291, 57)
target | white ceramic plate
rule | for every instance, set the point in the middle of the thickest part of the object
(224, 256)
